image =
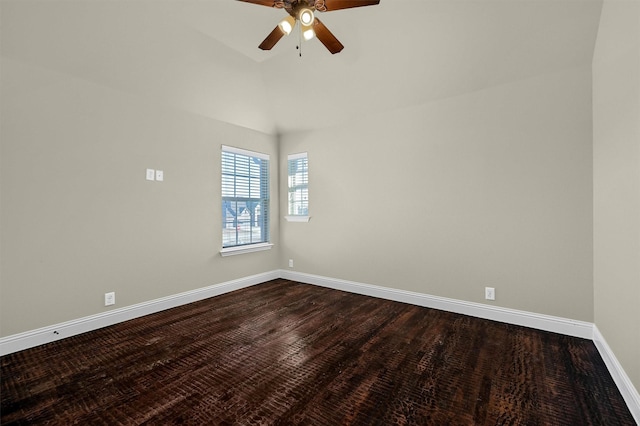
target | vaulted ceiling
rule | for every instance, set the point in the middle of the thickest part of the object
(202, 55)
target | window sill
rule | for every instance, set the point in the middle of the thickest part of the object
(297, 218)
(250, 248)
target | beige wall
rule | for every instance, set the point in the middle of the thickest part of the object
(91, 96)
(491, 188)
(78, 218)
(139, 48)
(616, 146)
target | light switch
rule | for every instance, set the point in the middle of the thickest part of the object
(151, 174)
(159, 175)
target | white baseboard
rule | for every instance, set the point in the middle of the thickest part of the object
(32, 338)
(628, 391)
(511, 316)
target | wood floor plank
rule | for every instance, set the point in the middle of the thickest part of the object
(284, 353)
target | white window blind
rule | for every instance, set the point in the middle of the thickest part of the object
(298, 166)
(245, 197)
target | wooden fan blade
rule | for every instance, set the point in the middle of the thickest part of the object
(272, 39)
(330, 5)
(326, 37)
(270, 3)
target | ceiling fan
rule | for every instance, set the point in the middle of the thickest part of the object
(310, 26)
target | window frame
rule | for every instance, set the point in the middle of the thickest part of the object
(263, 200)
(292, 189)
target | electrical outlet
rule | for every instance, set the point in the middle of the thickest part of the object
(109, 298)
(490, 293)
(290, 263)
(151, 174)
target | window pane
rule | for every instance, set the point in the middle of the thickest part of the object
(242, 186)
(245, 199)
(228, 185)
(298, 171)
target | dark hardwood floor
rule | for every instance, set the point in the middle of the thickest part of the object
(289, 353)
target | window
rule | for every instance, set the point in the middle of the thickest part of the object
(298, 171)
(245, 201)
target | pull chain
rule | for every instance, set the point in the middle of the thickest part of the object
(300, 40)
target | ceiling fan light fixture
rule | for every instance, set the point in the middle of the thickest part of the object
(308, 33)
(287, 24)
(306, 17)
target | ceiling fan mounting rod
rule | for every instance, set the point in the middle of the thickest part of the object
(297, 5)
(320, 6)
